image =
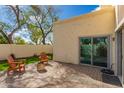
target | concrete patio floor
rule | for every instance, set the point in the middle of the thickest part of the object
(60, 75)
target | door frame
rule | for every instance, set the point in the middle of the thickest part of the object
(121, 31)
(119, 53)
(108, 50)
(122, 57)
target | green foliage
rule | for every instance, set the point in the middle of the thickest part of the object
(16, 21)
(41, 22)
(102, 50)
(3, 65)
(85, 50)
(3, 40)
(35, 34)
(32, 60)
(50, 55)
(85, 41)
(5, 25)
(38, 19)
(31, 26)
(29, 60)
(19, 40)
(103, 40)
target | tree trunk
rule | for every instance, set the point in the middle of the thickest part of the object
(43, 41)
(10, 39)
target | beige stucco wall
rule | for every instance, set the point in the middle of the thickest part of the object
(66, 33)
(23, 50)
(119, 13)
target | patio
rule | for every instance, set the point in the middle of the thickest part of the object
(61, 75)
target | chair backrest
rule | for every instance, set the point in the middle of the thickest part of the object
(11, 62)
(13, 56)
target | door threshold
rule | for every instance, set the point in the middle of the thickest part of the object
(93, 66)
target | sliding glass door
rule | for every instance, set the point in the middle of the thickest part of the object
(85, 50)
(94, 51)
(100, 51)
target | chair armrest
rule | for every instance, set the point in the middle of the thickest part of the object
(18, 62)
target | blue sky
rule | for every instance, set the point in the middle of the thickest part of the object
(64, 11)
(69, 11)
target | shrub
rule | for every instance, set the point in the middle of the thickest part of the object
(102, 50)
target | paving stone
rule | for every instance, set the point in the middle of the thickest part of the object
(57, 75)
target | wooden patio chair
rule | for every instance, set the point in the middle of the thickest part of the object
(43, 58)
(15, 65)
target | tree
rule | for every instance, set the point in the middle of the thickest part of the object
(3, 40)
(38, 19)
(36, 36)
(41, 22)
(17, 20)
(19, 40)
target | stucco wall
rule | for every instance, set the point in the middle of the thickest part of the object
(119, 13)
(66, 33)
(23, 50)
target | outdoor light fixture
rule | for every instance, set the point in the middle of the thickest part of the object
(113, 38)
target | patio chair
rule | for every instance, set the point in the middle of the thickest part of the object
(15, 66)
(14, 58)
(43, 58)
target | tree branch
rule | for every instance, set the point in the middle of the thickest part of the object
(16, 12)
(40, 27)
(4, 35)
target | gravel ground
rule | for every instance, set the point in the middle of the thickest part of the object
(57, 75)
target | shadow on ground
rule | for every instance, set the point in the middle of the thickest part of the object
(88, 70)
(110, 79)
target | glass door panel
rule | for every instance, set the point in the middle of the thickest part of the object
(100, 45)
(85, 50)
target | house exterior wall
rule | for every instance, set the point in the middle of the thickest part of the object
(23, 50)
(119, 13)
(66, 33)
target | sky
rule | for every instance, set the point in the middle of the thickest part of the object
(69, 11)
(64, 12)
